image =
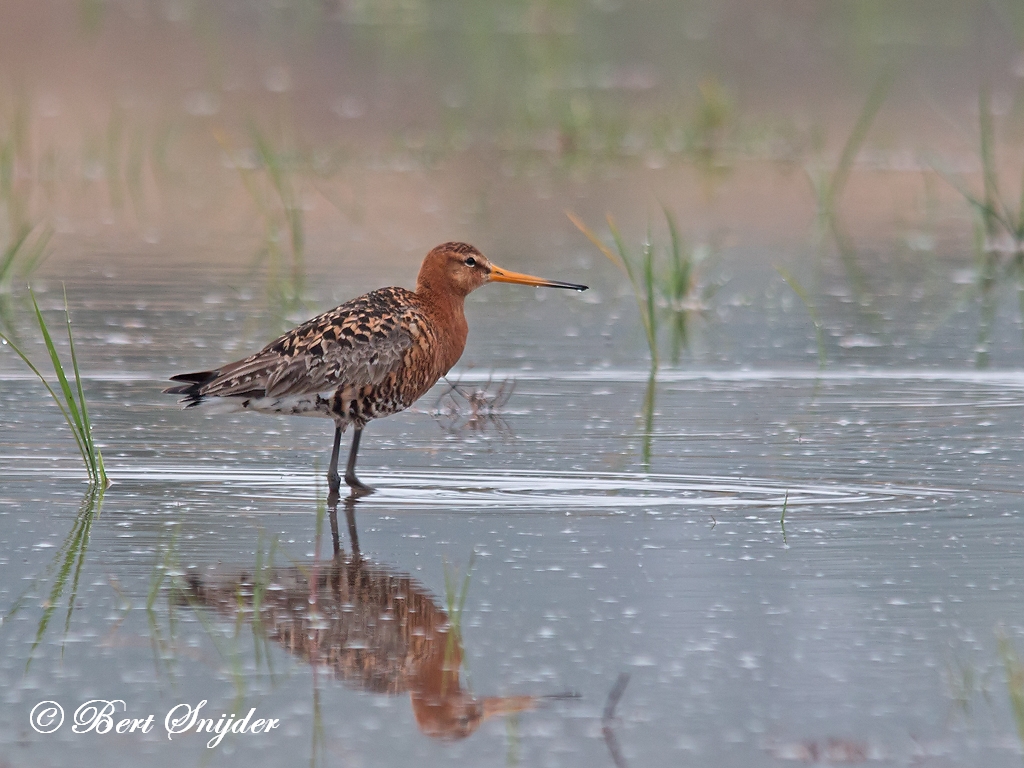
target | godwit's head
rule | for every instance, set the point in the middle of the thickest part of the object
(458, 269)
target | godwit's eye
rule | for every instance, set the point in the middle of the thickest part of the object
(470, 262)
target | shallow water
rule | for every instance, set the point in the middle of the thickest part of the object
(788, 563)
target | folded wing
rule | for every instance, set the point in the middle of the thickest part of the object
(356, 344)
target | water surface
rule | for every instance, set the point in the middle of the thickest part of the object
(786, 561)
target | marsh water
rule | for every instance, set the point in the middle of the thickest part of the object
(797, 540)
(787, 562)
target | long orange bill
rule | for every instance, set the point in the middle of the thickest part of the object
(499, 275)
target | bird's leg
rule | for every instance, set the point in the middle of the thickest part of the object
(353, 482)
(333, 481)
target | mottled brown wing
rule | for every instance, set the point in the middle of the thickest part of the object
(356, 344)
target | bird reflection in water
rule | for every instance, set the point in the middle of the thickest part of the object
(373, 628)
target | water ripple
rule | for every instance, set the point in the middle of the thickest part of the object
(533, 491)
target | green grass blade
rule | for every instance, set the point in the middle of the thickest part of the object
(58, 367)
(984, 208)
(856, 139)
(74, 411)
(651, 323)
(680, 279)
(680, 284)
(819, 332)
(56, 399)
(102, 468)
(243, 173)
(87, 431)
(990, 178)
(270, 160)
(673, 232)
(96, 462)
(277, 173)
(609, 254)
(648, 264)
(643, 298)
(623, 253)
(621, 260)
(77, 424)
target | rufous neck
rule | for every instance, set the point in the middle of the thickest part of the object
(447, 311)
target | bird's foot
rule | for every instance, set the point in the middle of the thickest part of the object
(358, 487)
(334, 482)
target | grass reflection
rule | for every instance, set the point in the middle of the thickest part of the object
(318, 748)
(782, 518)
(163, 570)
(608, 720)
(251, 588)
(648, 418)
(66, 570)
(1014, 680)
(262, 578)
(455, 599)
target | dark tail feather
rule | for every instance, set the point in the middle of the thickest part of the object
(191, 390)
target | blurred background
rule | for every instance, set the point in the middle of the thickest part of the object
(295, 135)
(174, 129)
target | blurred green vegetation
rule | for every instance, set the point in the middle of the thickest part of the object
(568, 85)
(998, 232)
(597, 93)
(574, 80)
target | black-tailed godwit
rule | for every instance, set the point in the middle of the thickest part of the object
(370, 357)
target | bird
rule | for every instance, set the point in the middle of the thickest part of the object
(365, 359)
